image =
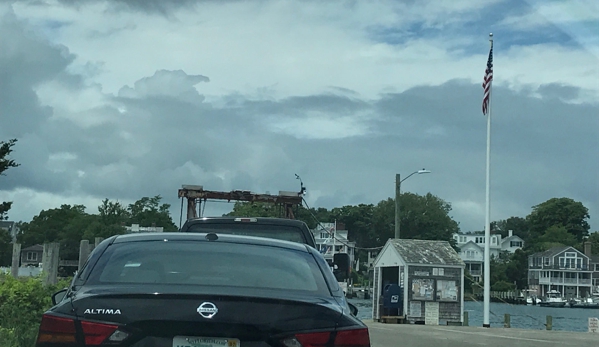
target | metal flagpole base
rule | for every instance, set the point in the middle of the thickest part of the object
(486, 325)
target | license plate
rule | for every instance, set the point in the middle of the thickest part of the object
(197, 341)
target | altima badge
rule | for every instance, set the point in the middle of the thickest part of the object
(207, 309)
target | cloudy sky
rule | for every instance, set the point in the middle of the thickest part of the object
(124, 99)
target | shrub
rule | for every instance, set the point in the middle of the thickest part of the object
(22, 303)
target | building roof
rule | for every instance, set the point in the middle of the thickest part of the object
(551, 252)
(34, 248)
(426, 252)
(478, 233)
(463, 245)
(510, 238)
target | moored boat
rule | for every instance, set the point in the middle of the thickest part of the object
(553, 299)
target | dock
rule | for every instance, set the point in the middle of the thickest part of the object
(412, 335)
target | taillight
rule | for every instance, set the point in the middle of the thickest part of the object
(57, 330)
(343, 338)
(308, 340)
(96, 333)
(352, 338)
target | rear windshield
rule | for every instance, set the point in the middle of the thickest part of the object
(287, 233)
(209, 264)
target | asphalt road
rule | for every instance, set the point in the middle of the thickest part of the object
(410, 335)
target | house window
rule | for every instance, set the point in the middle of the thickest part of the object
(480, 240)
(570, 254)
(31, 256)
(469, 254)
(515, 243)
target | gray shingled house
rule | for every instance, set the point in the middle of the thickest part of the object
(431, 275)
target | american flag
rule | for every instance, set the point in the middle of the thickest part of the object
(487, 81)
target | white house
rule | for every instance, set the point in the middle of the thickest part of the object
(323, 236)
(472, 249)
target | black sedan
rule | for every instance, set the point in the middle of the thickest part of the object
(202, 290)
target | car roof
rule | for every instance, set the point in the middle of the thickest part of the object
(263, 220)
(201, 237)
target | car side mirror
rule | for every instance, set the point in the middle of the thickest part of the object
(353, 309)
(58, 296)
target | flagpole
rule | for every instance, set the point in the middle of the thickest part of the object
(487, 270)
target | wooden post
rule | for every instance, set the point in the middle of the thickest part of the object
(506, 321)
(16, 257)
(50, 264)
(83, 253)
(465, 323)
(549, 323)
(97, 241)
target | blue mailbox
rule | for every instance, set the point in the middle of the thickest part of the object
(393, 296)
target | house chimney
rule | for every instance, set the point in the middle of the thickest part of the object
(510, 233)
(587, 248)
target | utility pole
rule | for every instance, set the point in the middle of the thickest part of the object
(397, 193)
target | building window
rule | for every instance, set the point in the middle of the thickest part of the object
(31, 256)
(480, 239)
(515, 243)
(570, 254)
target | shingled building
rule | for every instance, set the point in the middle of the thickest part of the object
(430, 274)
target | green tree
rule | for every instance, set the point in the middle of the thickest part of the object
(65, 225)
(556, 236)
(516, 269)
(113, 213)
(5, 164)
(255, 209)
(50, 225)
(426, 217)
(358, 221)
(148, 211)
(559, 212)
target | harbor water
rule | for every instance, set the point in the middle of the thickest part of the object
(522, 316)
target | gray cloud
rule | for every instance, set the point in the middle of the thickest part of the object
(560, 91)
(147, 6)
(161, 132)
(26, 62)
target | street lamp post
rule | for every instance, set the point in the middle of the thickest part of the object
(397, 194)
